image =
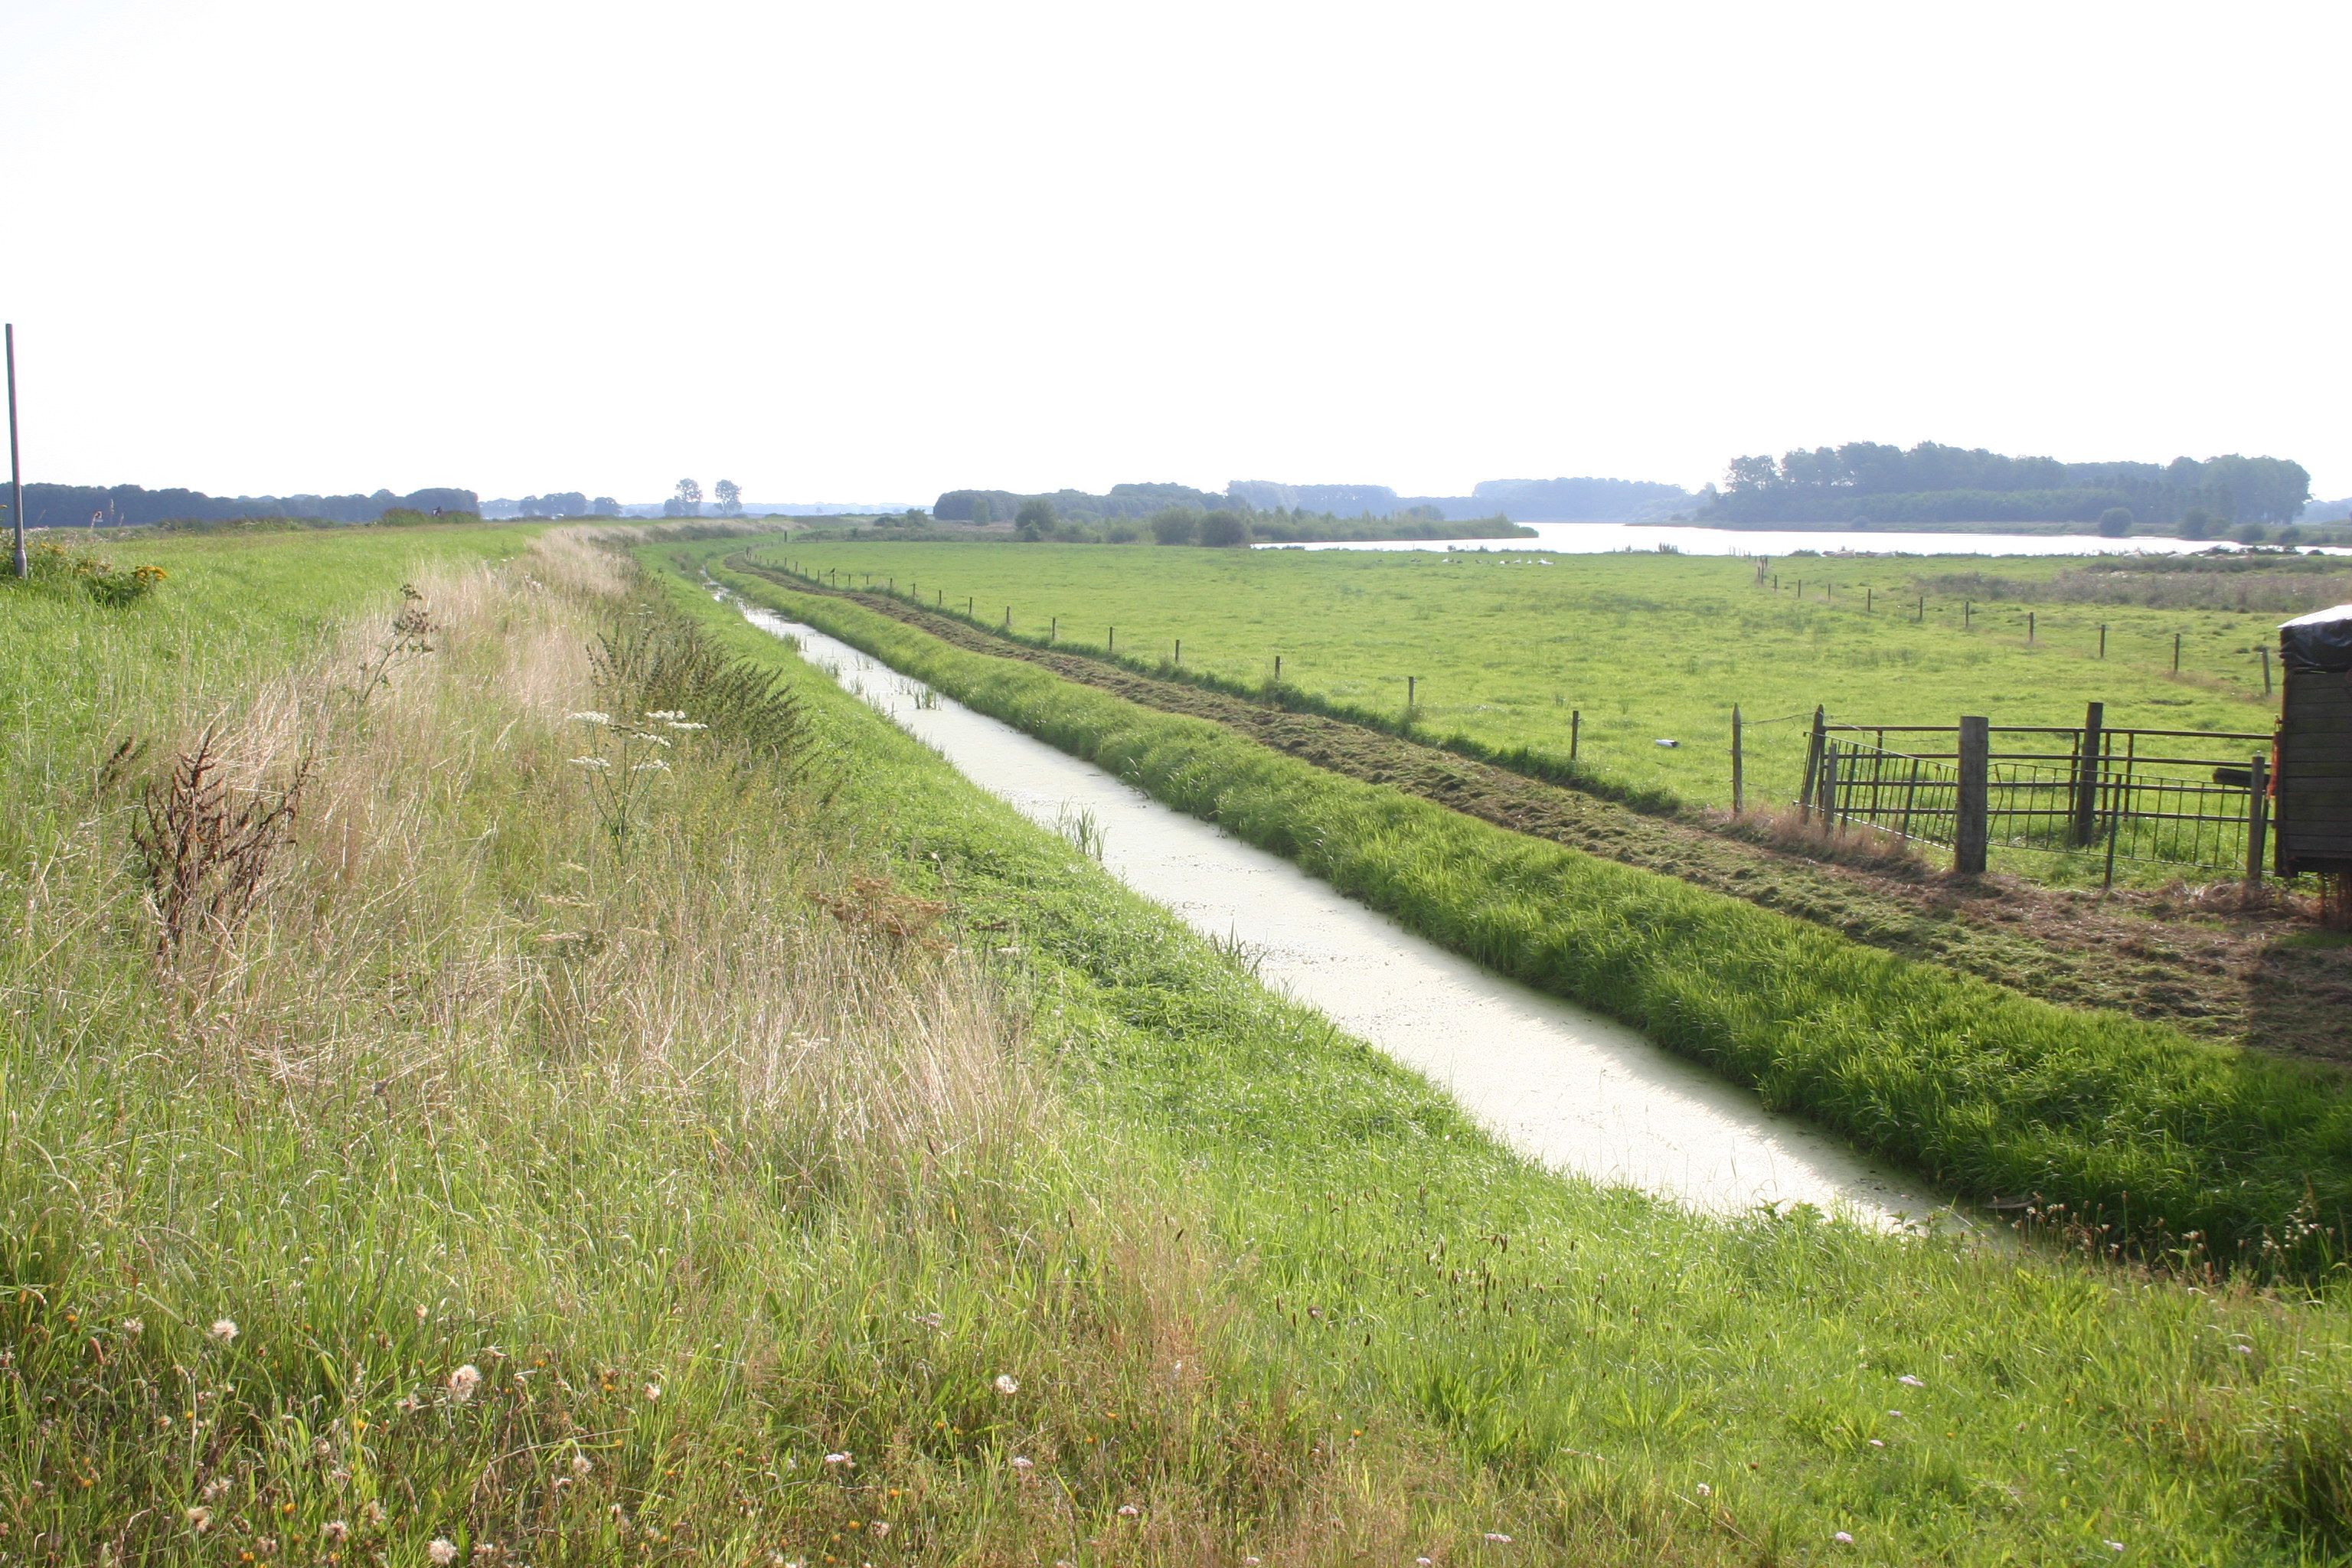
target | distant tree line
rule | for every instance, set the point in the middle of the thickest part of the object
(1867, 481)
(1121, 501)
(554, 503)
(1544, 500)
(125, 506)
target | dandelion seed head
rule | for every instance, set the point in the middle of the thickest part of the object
(1007, 1384)
(443, 1550)
(336, 1531)
(200, 1519)
(223, 1329)
(464, 1381)
(582, 1465)
(132, 1328)
(1706, 1491)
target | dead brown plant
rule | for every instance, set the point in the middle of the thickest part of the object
(205, 848)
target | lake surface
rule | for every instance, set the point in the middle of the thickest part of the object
(1565, 1087)
(1600, 538)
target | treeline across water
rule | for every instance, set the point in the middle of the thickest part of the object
(122, 506)
(1866, 482)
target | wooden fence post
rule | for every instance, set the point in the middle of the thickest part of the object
(1869, 601)
(1575, 729)
(2258, 816)
(2029, 625)
(2266, 669)
(2176, 653)
(1111, 641)
(1411, 683)
(1053, 631)
(2103, 639)
(2086, 776)
(1738, 793)
(1179, 652)
(1969, 833)
(1829, 788)
(1813, 766)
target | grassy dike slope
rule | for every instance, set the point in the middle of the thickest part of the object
(2148, 1138)
(501, 1184)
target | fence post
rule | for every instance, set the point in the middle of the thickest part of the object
(2029, 625)
(1008, 618)
(1829, 790)
(1180, 651)
(1869, 600)
(2086, 776)
(1738, 792)
(1812, 764)
(1053, 631)
(1411, 683)
(2266, 669)
(1111, 641)
(2176, 653)
(2103, 639)
(2257, 818)
(1975, 779)
(1575, 728)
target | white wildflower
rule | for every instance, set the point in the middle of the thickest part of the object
(1907, 1381)
(591, 716)
(223, 1329)
(1706, 1491)
(336, 1531)
(841, 1462)
(200, 1519)
(443, 1550)
(1498, 1538)
(464, 1381)
(582, 1465)
(687, 725)
(878, 1529)
(1022, 1462)
(1128, 1510)
(132, 1328)
(650, 765)
(1843, 1538)
(1007, 1384)
(653, 1392)
(595, 764)
(664, 715)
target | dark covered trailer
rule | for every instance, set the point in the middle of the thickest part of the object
(2313, 787)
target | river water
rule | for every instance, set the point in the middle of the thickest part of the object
(1574, 1091)
(1600, 538)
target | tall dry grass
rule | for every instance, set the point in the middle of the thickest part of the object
(569, 1196)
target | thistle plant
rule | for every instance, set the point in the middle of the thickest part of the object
(626, 763)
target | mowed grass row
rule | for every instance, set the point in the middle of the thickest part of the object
(2153, 1141)
(1644, 647)
(683, 1196)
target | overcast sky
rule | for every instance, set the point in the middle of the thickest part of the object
(868, 251)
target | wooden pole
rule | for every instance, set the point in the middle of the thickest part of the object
(1829, 790)
(1179, 652)
(2257, 817)
(2266, 668)
(15, 467)
(2087, 775)
(1739, 791)
(1053, 629)
(1869, 601)
(1277, 669)
(2176, 653)
(1969, 835)
(1575, 730)
(2103, 639)
(1812, 764)
(1110, 642)
(1967, 614)
(2029, 625)
(1409, 681)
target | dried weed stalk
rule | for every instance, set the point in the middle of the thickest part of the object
(205, 849)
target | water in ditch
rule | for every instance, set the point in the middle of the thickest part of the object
(1568, 1087)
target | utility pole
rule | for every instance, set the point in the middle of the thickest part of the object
(15, 467)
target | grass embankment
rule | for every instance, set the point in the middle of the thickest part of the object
(2158, 1140)
(572, 1198)
(1647, 647)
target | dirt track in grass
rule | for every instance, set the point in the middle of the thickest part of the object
(2262, 977)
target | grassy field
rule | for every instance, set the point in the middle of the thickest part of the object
(1644, 647)
(2144, 1133)
(801, 1158)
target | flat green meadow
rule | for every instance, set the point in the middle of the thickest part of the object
(1505, 647)
(801, 1158)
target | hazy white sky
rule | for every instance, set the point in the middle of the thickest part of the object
(872, 250)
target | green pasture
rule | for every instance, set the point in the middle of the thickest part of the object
(1640, 647)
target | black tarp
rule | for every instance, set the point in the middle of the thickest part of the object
(2319, 641)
